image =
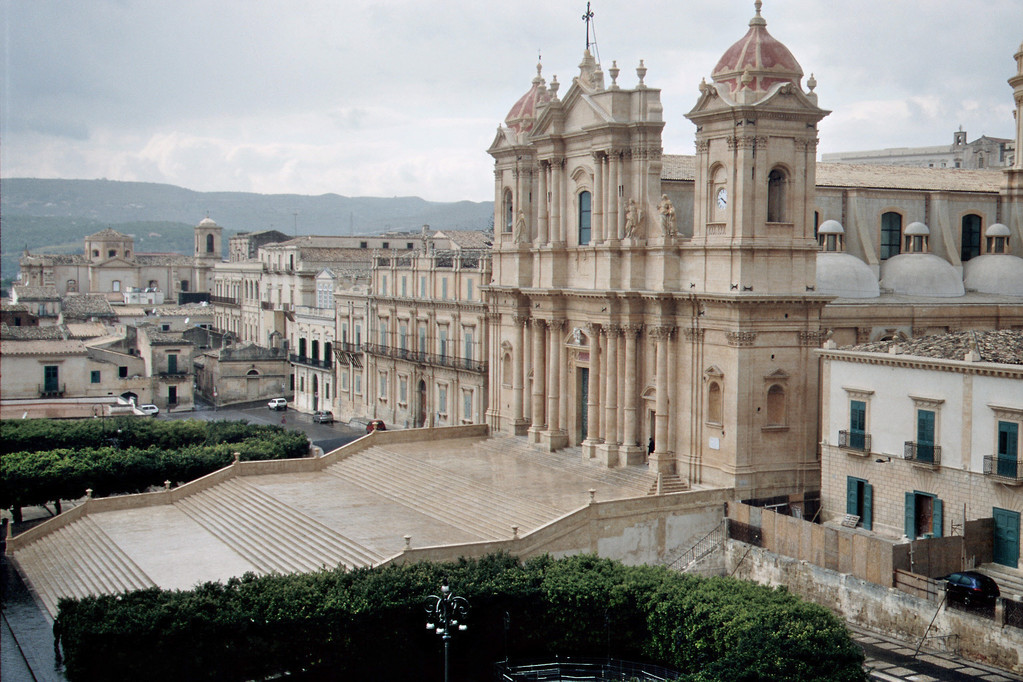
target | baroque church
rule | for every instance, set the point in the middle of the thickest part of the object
(666, 309)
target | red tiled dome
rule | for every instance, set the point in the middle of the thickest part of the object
(523, 114)
(767, 60)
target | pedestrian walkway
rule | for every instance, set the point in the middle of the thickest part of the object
(892, 660)
(26, 648)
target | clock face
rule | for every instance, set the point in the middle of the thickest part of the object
(722, 197)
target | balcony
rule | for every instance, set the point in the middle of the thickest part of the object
(432, 359)
(52, 391)
(855, 442)
(224, 300)
(1004, 469)
(311, 362)
(176, 374)
(923, 454)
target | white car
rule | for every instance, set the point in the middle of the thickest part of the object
(150, 410)
(278, 404)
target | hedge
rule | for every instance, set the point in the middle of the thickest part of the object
(61, 460)
(370, 624)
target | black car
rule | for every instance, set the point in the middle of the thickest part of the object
(970, 587)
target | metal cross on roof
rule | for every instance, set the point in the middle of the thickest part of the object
(588, 17)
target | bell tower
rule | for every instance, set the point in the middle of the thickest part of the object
(756, 144)
(208, 252)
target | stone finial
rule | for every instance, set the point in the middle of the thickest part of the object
(593, 495)
(88, 493)
(237, 457)
(554, 86)
(641, 73)
(811, 82)
(408, 543)
(614, 71)
(166, 485)
(515, 532)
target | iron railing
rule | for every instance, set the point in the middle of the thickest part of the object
(854, 440)
(926, 454)
(310, 362)
(1006, 469)
(224, 300)
(434, 359)
(52, 391)
(703, 547)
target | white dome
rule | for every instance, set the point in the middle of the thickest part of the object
(995, 273)
(917, 228)
(831, 227)
(997, 230)
(921, 274)
(207, 222)
(845, 275)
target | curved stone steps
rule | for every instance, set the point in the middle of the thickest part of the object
(569, 460)
(76, 561)
(268, 533)
(441, 494)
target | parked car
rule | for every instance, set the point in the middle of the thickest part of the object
(278, 404)
(970, 587)
(376, 425)
(149, 410)
(323, 417)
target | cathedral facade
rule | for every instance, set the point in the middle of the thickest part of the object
(665, 310)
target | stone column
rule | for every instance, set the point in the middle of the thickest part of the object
(597, 201)
(554, 437)
(557, 234)
(660, 461)
(615, 229)
(632, 448)
(609, 449)
(517, 370)
(539, 380)
(593, 395)
(544, 215)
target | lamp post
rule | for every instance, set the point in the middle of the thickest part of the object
(444, 612)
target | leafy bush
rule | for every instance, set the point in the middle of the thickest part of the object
(46, 460)
(369, 624)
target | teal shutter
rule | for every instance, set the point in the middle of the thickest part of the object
(857, 424)
(868, 506)
(910, 516)
(936, 530)
(925, 435)
(850, 495)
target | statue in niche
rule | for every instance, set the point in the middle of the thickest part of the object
(519, 230)
(667, 211)
(633, 220)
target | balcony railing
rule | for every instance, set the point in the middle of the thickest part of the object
(855, 441)
(1005, 469)
(478, 366)
(176, 373)
(224, 300)
(311, 362)
(52, 391)
(926, 454)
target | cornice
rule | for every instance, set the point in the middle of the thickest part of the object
(917, 362)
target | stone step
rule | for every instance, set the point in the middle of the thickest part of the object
(441, 494)
(633, 478)
(76, 561)
(670, 483)
(268, 533)
(1010, 581)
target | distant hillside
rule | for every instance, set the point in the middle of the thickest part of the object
(54, 215)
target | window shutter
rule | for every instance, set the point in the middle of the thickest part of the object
(910, 516)
(850, 495)
(936, 530)
(925, 427)
(868, 506)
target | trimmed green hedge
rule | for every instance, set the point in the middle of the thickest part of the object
(370, 624)
(44, 461)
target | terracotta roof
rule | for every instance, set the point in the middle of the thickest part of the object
(41, 347)
(86, 330)
(161, 338)
(50, 331)
(678, 167)
(108, 233)
(31, 293)
(131, 311)
(908, 177)
(55, 259)
(163, 259)
(1004, 346)
(86, 305)
(468, 239)
(8, 306)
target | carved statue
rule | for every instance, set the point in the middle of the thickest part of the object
(667, 211)
(633, 219)
(519, 230)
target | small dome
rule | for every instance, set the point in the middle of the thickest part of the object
(994, 273)
(997, 230)
(758, 54)
(207, 222)
(845, 275)
(831, 227)
(916, 229)
(523, 115)
(921, 274)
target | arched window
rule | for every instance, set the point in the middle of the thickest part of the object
(111, 253)
(776, 210)
(115, 285)
(72, 286)
(252, 373)
(506, 370)
(775, 405)
(891, 234)
(209, 243)
(971, 237)
(714, 402)
(584, 218)
(154, 285)
(509, 211)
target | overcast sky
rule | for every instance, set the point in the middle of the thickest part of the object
(395, 97)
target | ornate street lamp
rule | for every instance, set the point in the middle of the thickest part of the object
(444, 613)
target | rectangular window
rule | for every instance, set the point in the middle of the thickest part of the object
(172, 363)
(925, 435)
(891, 235)
(172, 395)
(383, 333)
(358, 335)
(444, 288)
(383, 385)
(403, 390)
(923, 515)
(95, 376)
(422, 287)
(442, 400)
(422, 339)
(344, 332)
(1008, 449)
(467, 406)
(51, 379)
(860, 500)
(383, 285)
(403, 337)
(344, 380)
(468, 290)
(468, 345)
(857, 424)
(443, 343)
(358, 384)
(385, 245)
(404, 288)
(584, 218)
